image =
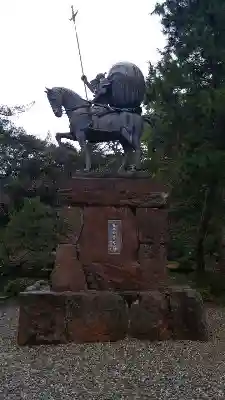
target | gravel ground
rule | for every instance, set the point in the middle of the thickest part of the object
(125, 370)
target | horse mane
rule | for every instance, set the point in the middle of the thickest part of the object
(73, 95)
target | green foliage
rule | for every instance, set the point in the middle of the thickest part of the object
(186, 101)
(210, 284)
(15, 286)
(31, 235)
(33, 169)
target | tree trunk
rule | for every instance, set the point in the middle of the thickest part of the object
(221, 261)
(207, 211)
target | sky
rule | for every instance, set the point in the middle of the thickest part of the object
(38, 49)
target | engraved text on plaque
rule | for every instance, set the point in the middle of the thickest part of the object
(114, 236)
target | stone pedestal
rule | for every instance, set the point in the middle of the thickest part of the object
(102, 316)
(68, 273)
(53, 318)
(123, 230)
(110, 279)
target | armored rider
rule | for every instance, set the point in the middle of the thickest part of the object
(100, 87)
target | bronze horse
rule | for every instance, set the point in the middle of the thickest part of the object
(91, 123)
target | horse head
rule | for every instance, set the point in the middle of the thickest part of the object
(54, 96)
(61, 98)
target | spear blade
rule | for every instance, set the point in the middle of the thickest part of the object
(73, 18)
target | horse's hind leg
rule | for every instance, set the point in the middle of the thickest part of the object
(127, 152)
(137, 158)
(137, 147)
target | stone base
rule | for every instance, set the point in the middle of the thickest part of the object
(53, 318)
(92, 316)
(121, 233)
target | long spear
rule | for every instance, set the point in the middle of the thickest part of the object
(73, 18)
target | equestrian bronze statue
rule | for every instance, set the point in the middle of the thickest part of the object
(114, 114)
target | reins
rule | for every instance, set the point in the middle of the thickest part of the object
(108, 108)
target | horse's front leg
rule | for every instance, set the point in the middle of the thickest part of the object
(85, 149)
(127, 149)
(87, 157)
(66, 135)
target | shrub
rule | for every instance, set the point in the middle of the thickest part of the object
(14, 287)
(31, 235)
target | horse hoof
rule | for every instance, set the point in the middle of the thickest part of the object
(134, 168)
(122, 168)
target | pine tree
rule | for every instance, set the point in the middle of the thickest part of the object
(186, 100)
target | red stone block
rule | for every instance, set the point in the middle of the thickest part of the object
(136, 191)
(72, 218)
(153, 263)
(119, 278)
(149, 317)
(96, 317)
(149, 275)
(94, 240)
(68, 273)
(155, 274)
(152, 225)
(187, 314)
(42, 319)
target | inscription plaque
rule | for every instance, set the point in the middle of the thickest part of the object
(114, 236)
